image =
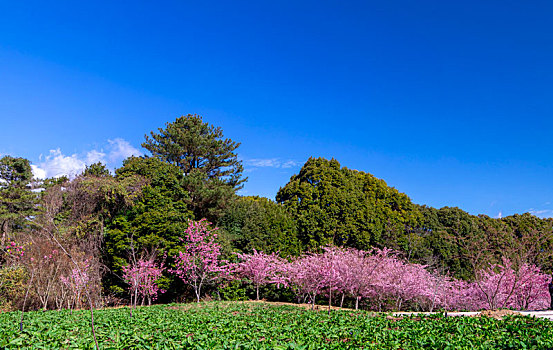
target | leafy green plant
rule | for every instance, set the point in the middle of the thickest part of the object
(251, 325)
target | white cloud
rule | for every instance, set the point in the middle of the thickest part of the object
(270, 163)
(57, 164)
(38, 173)
(95, 156)
(543, 213)
(290, 164)
(499, 215)
(121, 149)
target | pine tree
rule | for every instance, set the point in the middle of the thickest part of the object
(17, 201)
(211, 167)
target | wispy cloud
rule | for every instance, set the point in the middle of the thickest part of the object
(270, 163)
(499, 215)
(57, 164)
(290, 164)
(95, 156)
(121, 149)
(542, 213)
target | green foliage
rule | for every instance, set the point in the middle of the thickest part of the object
(233, 291)
(334, 205)
(161, 215)
(446, 233)
(155, 222)
(223, 325)
(17, 201)
(13, 283)
(97, 169)
(211, 167)
(258, 223)
(460, 243)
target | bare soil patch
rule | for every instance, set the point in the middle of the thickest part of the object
(498, 314)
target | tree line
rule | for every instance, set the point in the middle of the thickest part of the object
(108, 231)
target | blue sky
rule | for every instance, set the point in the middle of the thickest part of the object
(450, 103)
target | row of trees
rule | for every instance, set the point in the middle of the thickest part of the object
(117, 227)
(379, 278)
(335, 205)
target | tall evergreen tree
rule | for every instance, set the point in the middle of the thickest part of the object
(211, 167)
(16, 198)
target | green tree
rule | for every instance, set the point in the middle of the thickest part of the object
(17, 201)
(533, 239)
(155, 223)
(335, 205)
(211, 167)
(451, 235)
(259, 223)
(96, 169)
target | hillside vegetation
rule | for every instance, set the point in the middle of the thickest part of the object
(60, 235)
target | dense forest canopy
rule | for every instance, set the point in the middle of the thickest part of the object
(106, 221)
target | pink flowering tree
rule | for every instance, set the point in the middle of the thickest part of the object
(361, 272)
(532, 291)
(261, 269)
(308, 275)
(403, 282)
(503, 285)
(313, 274)
(200, 264)
(495, 285)
(142, 277)
(77, 282)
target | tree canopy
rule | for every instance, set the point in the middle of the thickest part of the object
(335, 205)
(209, 162)
(257, 223)
(17, 201)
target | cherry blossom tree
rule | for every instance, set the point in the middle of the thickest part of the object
(261, 269)
(142, 277)
(308, 275)
(362, 272)
(199, 263)
(77, 282)
(503, 285)
(532, 291)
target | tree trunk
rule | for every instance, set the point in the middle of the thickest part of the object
(25, 301)
(356, 303)
(92, 318)
(329, 300)
(4, 232)
(257, 291)
(342, 301)
(198, 296)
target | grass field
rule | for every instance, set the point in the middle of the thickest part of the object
(218, 325)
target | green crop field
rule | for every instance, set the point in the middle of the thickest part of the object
(263, 326)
